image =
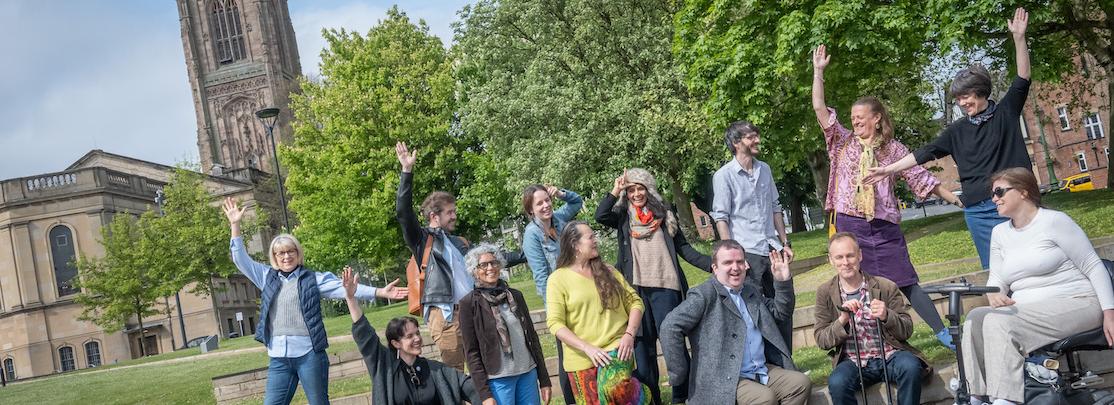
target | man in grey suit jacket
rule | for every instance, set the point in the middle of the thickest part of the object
(738, 353)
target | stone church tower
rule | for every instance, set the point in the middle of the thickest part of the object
(241, 56)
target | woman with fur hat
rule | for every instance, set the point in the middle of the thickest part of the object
(650, 240)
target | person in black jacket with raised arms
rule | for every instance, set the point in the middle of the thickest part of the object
(447, 280)
(399, 375)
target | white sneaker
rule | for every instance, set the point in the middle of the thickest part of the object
(1002, 402)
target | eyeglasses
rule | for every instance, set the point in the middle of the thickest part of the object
(1001, 191)
(488, 265)
(291, 253)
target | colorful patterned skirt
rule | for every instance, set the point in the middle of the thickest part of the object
(613, 384)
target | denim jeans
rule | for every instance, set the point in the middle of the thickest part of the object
(904, 370)
(284, 373)
(981, 219)
(519, 389)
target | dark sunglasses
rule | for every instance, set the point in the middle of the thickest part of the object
(1001, 191)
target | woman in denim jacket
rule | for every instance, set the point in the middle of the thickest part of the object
(541, 246)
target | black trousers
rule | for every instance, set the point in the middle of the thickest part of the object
(658, 303)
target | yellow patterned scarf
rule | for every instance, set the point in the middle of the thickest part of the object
(864, 193)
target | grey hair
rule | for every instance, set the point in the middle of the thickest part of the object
(285, 240)
(472, 259)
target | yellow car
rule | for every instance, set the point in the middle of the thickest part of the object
(1079, 182)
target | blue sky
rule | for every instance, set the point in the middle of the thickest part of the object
(77, 75)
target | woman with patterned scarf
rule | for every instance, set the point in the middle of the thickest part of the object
(650, 240)
(871, 211)
(501, 345)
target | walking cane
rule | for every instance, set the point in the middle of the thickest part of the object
(855, 337)
(885, 369)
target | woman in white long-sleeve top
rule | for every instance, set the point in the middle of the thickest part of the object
(1053, 285)
(290, 313)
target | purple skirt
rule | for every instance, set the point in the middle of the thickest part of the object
(885, 253)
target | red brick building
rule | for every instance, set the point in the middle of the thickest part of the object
(1074, 128)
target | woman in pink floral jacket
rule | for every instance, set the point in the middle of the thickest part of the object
(871, 211)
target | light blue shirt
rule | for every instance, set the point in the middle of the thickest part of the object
(327, 283)
(747, 201)
(754, 355)
(463, 284)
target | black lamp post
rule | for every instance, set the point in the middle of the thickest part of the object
(269, 116)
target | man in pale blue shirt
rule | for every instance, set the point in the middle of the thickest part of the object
(746, 207)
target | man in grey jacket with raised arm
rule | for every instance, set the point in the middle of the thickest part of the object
(738, 354)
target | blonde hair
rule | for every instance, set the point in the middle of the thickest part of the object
(285, 240)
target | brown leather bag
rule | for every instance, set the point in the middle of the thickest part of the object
(415, 278)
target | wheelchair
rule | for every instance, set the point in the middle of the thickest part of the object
(1046, 383)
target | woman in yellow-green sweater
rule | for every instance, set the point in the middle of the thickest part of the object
(593, 311)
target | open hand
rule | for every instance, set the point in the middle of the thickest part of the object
(779, 265)
(349, 280)
(405, 157)
(1019, 23)
(392, 292)
(232, 210)
(820, 58)
(875, 175)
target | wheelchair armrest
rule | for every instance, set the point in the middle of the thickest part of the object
(1093, 339)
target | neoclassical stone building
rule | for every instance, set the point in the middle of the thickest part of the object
(48, 220)
(241, 56)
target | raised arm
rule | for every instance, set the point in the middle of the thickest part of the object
(1017, 26)
(367, 341)
(254, 271)
(404, 200)
(820, 59)
(573, 203)
(604, 215)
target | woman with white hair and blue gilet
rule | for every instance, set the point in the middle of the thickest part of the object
(290, 313)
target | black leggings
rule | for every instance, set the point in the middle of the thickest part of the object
(923, 305)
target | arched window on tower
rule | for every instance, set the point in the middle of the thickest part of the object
(63, 253)
(228, 35)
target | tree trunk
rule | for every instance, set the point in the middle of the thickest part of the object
(818, 165)
(797, 214)
(139, 317)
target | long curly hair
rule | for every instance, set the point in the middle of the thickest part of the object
(611, 291)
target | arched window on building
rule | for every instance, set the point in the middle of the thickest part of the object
(228, 34)
(9, 368)
(93, 354)
(65, 356)
(63, 253)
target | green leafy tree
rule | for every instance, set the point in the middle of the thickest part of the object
(572, 92)
(1066, 37)
(118, 286)
(193, 236)
(394, 83)
(751, 60)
